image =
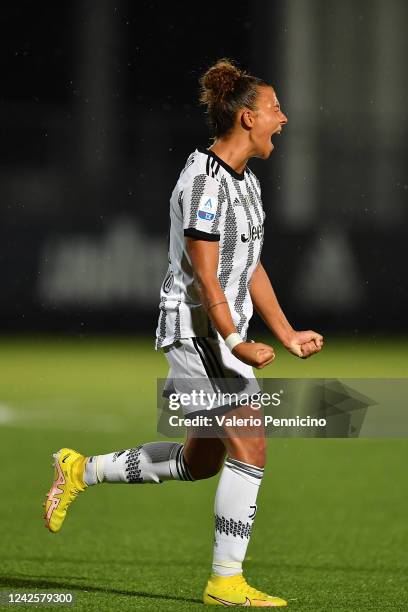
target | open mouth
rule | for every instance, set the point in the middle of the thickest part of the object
(277, 132)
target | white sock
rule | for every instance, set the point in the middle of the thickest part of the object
(235, 509)
(153, 462)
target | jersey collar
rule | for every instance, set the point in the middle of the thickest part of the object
(231, 171)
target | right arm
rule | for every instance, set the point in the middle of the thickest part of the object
(204, 259)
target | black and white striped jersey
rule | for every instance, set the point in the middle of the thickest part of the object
(211, 202)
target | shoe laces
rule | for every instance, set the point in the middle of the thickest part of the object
(73, 491)
(243, 587)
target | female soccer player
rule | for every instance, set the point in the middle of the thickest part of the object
(215, 277)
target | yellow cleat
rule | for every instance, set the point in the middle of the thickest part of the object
(235, 591)
(68, 482)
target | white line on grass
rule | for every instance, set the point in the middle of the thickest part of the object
(74, 419)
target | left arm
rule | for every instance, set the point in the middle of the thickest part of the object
(303, 343)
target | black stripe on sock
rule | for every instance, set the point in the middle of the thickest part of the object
(177, 463)
(186, 468)
(250, 470)
(180, 460)
(182, 467)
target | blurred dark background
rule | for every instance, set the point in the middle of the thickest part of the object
(99, 112)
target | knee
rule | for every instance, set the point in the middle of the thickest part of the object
(257, 453)
(259, 458)
(249, 450)
(202, 472)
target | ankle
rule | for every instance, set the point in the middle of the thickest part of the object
(89, 473)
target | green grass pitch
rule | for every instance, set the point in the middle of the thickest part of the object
(331, 531)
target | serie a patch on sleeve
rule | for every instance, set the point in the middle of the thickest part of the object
(206, 208)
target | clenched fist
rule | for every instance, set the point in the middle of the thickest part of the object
(255, 354)
(303, 344)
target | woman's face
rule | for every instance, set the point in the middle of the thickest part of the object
(268, 119)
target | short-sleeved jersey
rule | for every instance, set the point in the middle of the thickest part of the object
(210, 202)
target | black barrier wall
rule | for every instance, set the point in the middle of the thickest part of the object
(100, 113)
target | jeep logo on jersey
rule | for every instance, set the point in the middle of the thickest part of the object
(255, 232)
(205, 208)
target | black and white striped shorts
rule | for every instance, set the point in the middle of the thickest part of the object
(207, 364)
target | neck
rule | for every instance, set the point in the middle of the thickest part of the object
(234, 151)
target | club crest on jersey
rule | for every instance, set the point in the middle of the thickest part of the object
(255, 232)
(205, 208)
